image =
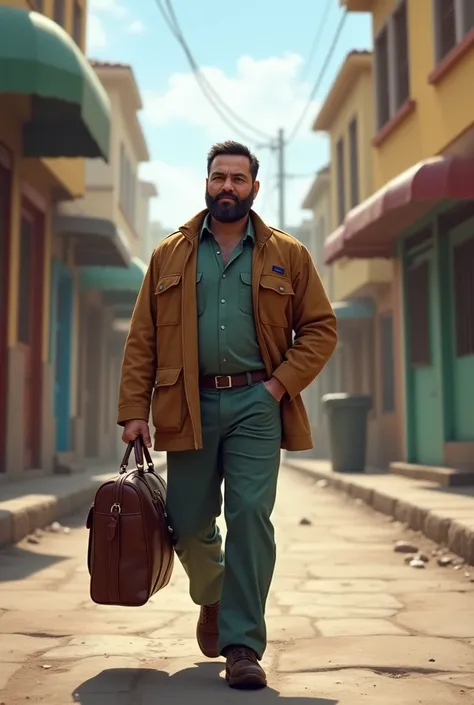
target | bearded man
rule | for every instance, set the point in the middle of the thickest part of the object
(231, 324)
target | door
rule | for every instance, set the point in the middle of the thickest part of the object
(62, 356)
(462, 321)
(5, 194)
(93, 374)
(29, 326)
(426, 423)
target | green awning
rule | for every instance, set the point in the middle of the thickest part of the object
(70, 109)
(114, 279)
(354, 309)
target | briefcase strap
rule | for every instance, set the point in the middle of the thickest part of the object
(140, 450)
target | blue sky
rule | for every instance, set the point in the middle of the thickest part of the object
(255, 56)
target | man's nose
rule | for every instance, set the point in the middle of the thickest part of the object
(228, 184)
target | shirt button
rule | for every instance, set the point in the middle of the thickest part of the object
(224, 359)
(218, 252)
(223, 276)
(222, 327)
(222, 301)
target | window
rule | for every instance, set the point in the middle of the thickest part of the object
(392, 66)
(128, 185)
(452, 21)
(387, 363)
(24, 281)
(402, 64)
(463, 267)
(354, 162)
(418, 314)
(77, 24)
(59, 12)
(382, 78)
(341, 194)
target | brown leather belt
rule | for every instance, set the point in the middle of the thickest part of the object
(230, 381)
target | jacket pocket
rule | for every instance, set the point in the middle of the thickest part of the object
(199, 294)
(276, 296)
(245, 293)
(168, 293)
(168, 403)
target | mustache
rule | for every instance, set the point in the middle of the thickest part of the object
(221, 196)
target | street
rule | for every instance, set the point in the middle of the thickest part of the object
(349, 622)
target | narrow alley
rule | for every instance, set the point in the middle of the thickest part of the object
(349, 622)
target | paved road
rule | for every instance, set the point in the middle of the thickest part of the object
(349, 623)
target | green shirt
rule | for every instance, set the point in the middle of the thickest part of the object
(226, 326)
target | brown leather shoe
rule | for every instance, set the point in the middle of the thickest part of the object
(207, 632)
(243, 669)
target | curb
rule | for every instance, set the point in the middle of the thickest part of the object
(437, 523)
(23, 515)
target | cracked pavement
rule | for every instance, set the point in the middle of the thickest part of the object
(349, 621)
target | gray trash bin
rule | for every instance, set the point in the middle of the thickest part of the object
(347, 424)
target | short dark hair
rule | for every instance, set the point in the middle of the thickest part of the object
(230, 147)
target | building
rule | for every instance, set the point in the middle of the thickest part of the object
(421, 218)
(115, 202)
(71, 211)
(54, 113)
(318, 202)
(147, 191)
(361, 290)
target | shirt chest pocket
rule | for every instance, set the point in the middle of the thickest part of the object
(245, 293)
(275, 301)
(168, 293)
(199, 294)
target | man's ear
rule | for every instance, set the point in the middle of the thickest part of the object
(256, 188)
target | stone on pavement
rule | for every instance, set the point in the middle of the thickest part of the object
(349, 623)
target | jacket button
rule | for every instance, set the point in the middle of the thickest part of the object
(282, 288)
(160, 287)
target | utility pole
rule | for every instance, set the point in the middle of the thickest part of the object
(281, 178)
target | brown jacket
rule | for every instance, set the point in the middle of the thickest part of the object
(161, 351)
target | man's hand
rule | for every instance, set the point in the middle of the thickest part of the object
(135, 428)
(275, 387)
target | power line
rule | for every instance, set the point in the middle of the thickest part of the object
(320, 77)
(270, 183)
(206, 87)
(317, 37)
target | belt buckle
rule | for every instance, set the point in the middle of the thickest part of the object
(227, 381)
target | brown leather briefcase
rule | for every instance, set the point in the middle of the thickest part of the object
(131, 545)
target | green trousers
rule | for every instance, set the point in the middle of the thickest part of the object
(241, 446)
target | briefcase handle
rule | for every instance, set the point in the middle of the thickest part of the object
(140, 450)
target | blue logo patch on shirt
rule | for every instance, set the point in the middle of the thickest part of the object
(278, 270)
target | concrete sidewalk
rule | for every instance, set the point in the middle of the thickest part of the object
(443, 514)
(28, 505)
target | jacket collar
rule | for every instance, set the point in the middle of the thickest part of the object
(193, 227)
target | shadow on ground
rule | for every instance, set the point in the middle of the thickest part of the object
(19, 563)
(193, 686)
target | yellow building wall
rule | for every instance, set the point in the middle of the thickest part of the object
(350, 276)
(442, 113)
(359, 103)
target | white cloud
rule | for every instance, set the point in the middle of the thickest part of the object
(112, 7)
(96, 35)
(136, 27)
(268, 94)
(181, 191)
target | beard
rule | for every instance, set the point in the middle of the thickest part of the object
(226, 211)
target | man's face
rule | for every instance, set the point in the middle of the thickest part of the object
(230, 192)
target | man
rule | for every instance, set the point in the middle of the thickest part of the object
(212, 337)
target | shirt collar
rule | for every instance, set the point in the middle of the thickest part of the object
(206, 229)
